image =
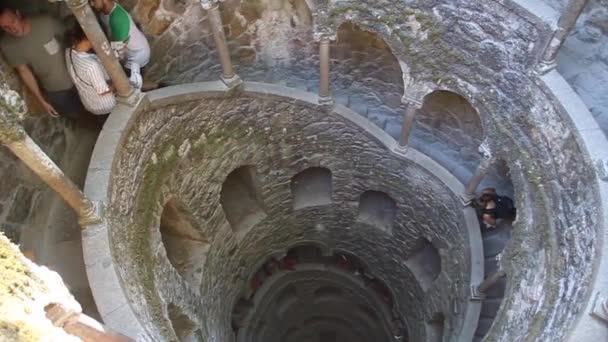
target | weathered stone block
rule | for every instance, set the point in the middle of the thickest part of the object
(493, 55)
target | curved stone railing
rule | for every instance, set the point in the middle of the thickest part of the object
(592, 324)
(107, 287)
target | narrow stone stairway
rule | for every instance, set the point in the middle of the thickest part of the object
(494, 242)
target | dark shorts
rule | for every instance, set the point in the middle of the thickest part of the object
(66, 102)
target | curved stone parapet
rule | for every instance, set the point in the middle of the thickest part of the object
(592, 325)
(550, 143)
(124, 278)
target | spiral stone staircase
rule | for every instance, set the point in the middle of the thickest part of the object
(279, 209)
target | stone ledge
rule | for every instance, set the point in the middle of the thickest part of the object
(186, 92)
(105, 284)
(535, 11)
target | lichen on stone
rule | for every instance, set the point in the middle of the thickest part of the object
(25, 290)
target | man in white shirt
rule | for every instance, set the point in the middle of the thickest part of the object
(130, 43)
(88, 74)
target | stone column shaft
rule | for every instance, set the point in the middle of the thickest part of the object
(32, 156)
(564, 27)
(82, 326)
(229, 77)
(408, 123)
(324, 92)
(491, 280)
(479, 175)
(87, 20)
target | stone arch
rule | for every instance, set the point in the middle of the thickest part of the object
(424, 262)
(277, 255)
(184, 244)
(377, 209)
(185, 329)
(392, 41)
(458, 107)
(241, 200)
(366, 74)
(427, 88)
(321, 247)
(288, 297)
(448, 128)
(499, 177)
(344, 256)
(452, 119)
(257, 28)
(240, 312)
(306, 252)
(312, 187)
(435, 327)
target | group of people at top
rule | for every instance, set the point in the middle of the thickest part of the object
(57, 64)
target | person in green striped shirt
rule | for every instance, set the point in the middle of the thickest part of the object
(126, 39)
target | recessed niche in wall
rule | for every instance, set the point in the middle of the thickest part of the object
(364, 57)
(184, 328)
(377, 209)
(240, 311)
(327, 293)
(328, 336)
(306, 253)
(452, 119)
(185, 246)
(241, 200)
(311, 187)
(435, 328)
(367, 311)
(425, 263)
(288, 297)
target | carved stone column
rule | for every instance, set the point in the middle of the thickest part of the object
(14, 137)
(479, 292)
(412, 105)
(564, 26)
(87, 20)
(82, 326)
(324, 59)
(229, 77)
(487, 161)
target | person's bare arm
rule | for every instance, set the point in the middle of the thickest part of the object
(489, 220)
(32, 85)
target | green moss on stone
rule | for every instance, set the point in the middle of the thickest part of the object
(139, 232)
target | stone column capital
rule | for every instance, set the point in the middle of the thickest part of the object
(74, 3)
(485, 150)
(415, 93)
(412, 101)
(325, 36)
(209, 4)
(12, 110)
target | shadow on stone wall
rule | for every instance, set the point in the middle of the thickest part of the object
(31, 214)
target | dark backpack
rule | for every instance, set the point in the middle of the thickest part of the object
(505, 208)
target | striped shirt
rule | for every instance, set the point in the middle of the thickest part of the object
(90, 78)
